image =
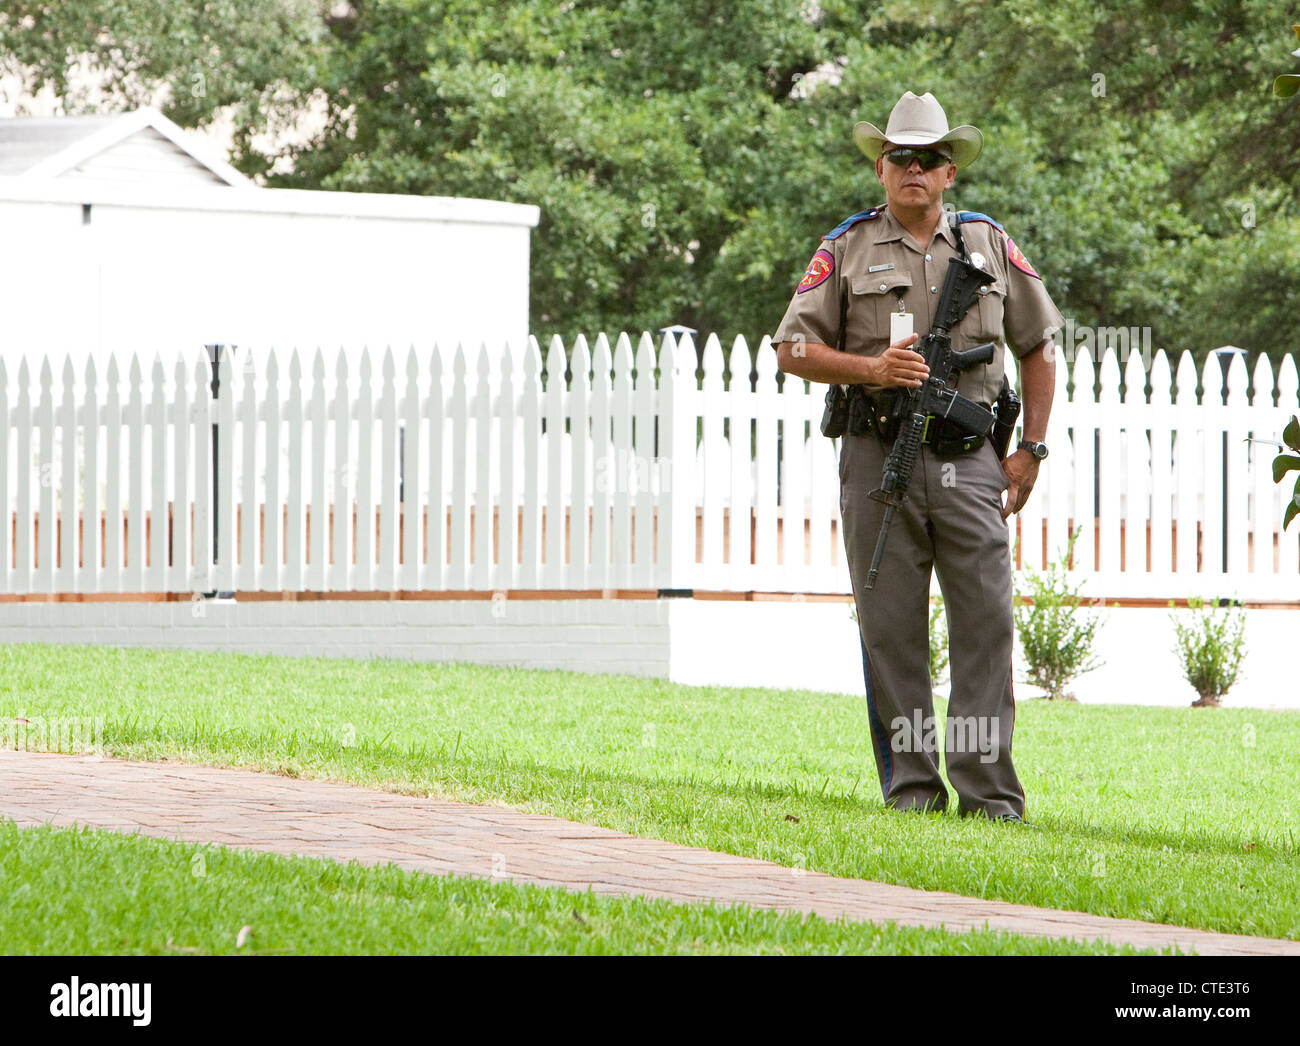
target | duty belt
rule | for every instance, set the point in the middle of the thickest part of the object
(870, 413)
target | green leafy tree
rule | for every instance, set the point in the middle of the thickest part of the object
(256, 61)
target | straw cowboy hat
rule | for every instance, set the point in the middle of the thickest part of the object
(920, 121)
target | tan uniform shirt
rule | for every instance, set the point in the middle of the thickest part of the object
(875, 267)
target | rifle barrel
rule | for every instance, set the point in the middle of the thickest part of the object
(880, 547)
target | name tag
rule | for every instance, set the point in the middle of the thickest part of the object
(881, 268)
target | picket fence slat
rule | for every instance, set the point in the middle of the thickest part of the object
(45, 530)
(88, 577)
(269, 572)
(6, 548)
(410, 488)
(767, 405)
(712, 467)
(644, 454)
(740, 414)
(576, 500)
(340, 495)
(530, 534)
(622, 460)
(603, 471)
(481, 575)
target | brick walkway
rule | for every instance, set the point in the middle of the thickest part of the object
(290, 816)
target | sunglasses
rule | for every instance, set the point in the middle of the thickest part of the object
(929, 159)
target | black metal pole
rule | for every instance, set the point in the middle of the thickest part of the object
(1225, 363)
(214, 357)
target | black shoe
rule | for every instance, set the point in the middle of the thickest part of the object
(1017, 820)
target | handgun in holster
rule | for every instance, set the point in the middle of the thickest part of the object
(835, 416)
(1007, 410)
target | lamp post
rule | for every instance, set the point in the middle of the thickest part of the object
(214, 358)
(1225, 356)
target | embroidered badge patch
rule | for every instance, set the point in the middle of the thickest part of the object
(821, 266)
(1018, 259)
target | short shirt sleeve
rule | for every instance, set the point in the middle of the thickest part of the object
(1030, 315)
(814, 312)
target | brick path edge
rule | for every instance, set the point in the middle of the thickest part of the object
(275, 814)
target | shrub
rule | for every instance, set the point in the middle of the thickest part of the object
(1057, 640)
(1211, 650)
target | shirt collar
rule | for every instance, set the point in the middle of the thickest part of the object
(890, 229)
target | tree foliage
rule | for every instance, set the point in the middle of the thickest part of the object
(256, 61)
(687, 155)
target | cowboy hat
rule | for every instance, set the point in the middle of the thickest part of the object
(920, 121)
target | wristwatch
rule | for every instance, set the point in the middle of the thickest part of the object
(1038, 450)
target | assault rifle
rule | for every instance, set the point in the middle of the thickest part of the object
(914, 410)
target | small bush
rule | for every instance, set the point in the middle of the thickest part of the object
(1211, 650)
(1057, 640)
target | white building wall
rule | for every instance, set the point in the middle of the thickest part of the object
(169, 271)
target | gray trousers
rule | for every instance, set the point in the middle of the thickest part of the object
(951, 523)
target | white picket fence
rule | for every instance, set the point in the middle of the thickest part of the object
(452, 472)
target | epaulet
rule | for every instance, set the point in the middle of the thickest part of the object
(852, 220)
(975, 216)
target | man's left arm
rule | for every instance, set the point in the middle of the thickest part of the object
(1038, 383)
(1030, 319)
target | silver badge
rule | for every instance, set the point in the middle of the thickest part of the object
(978, 260)
(881, 268)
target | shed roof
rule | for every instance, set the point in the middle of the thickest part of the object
(98, 147)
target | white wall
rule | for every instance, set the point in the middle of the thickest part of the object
(815, 645)
(783, 644)
(167, 271)
(620, 636)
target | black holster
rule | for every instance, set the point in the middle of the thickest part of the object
(835, 417)
(1007, 409)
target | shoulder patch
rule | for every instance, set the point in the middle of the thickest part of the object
(852, 220)
(1017, 258)
(1014, 254)
(975, 216)
(821, 266)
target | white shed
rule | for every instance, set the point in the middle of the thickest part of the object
(123, 233)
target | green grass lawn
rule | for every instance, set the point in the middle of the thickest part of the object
(1184, 816)
(82, 892)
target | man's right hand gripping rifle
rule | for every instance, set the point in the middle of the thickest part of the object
(915, 409)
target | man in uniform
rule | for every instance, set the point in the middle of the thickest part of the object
(891, 260)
